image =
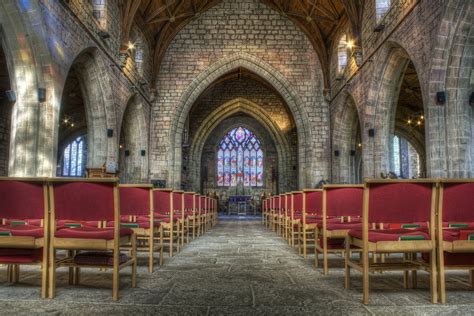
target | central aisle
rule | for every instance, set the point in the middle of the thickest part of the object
(238, 267)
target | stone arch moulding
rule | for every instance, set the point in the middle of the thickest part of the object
(346, 120)
(392, 65)
(238, 105)
(134, 122)
(216, 70)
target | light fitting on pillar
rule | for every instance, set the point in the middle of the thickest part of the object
(11, 96)
(41, 95)
(130, 46)
(359, 145)
(441, 97)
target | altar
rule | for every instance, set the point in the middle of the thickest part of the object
(239, 205)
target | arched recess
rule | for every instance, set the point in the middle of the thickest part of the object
(347, 141)
(394, 111)
(240, 105)
(83, 104)
(133, 156)
(6, 106)
(265, 71)
(452, 150)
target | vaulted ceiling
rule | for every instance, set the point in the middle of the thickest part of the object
(161, 20)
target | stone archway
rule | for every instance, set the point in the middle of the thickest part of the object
(133, 156)
(265, 71)
(386, 110)
(240, 105)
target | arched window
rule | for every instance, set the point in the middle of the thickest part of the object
(73, 160)
(99, 12)
(239, 159)
(139, 59)
(381, 7)
(342, 54)
(406, 160)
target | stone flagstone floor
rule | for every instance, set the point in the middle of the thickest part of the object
(237, 268)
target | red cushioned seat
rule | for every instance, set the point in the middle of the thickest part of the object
(63, 223)
(388, 234)
(91, 233)
(341, 226)
(333, 243)
(452, 234)
(34, 222)
(141, 224)
(189, 213)
(423, 225)
(9, 255)
(23, 230)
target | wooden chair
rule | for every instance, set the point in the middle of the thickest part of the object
(276, 213)
(202, 213)
(295, 215)
(342, 209)
(456, 222)
(398, 217)
(311, 216)
(285, 214)
(22, 243)
(136, 210)
(164, 212)
(191, 212)
(178, 205)
(88, 247)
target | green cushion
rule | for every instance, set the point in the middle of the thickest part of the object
(15, 223)
(5, 234)
(130, 225)
(470, 237)
(72, 225)
(411, 226)
(457, 225)
(414, 237)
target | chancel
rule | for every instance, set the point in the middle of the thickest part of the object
(237, 157)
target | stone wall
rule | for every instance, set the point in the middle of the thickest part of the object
(244, 34)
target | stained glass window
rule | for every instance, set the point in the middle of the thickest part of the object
(381, 7)
(240, 159)
(342, 54)
(139, 59)
(74, 158)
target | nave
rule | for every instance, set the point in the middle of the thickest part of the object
(238, 267)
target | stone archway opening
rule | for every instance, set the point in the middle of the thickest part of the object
(82, 116)
(400, 147)
(235, 97)
(7, 100)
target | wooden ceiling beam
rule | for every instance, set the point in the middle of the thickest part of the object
(155, 13)
(129, 10)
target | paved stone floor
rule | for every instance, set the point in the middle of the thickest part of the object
(238, 268)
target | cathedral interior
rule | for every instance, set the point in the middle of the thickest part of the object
(237, 157)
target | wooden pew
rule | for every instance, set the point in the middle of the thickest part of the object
(136, 203)
(88, 247)
(398, 217)
(342, 209)
(295, 215)
(191, 212)
(22, 243)
(456, 222)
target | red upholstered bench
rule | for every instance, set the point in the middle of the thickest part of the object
(455, 220)
(395, 201)
(82, 201)
(20, 241)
